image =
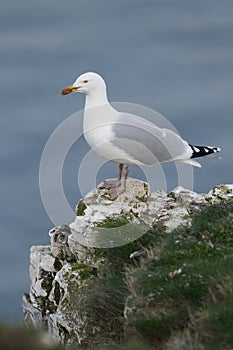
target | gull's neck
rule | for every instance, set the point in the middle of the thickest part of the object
(96, 98)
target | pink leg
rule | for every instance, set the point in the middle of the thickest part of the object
(115, 192)
(114, 184)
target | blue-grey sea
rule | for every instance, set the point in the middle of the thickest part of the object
(172, 56)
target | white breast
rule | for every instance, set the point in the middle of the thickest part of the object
(97, 128)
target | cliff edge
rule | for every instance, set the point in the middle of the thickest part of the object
(144, 265)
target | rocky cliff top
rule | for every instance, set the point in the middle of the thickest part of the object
(69, 294)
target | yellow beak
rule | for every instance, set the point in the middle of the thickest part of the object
(69, 89)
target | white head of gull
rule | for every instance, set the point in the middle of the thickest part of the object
(126, 138)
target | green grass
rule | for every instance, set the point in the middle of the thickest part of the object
(112, 222)
(174, 283)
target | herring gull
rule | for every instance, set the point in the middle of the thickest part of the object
(125, 138)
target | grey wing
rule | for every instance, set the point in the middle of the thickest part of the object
(145, 142)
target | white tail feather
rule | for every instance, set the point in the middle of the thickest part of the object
(190, 162)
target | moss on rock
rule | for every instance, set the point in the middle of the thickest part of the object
(117, 221)
(80, 210)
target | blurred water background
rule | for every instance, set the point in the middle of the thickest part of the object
(173, 56)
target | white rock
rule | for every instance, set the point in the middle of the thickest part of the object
(59, 241)
(220, 193)
(41, 261)
(132, 205)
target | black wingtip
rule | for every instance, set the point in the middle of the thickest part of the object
(202, 151)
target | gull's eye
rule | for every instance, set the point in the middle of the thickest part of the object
(85, 81)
